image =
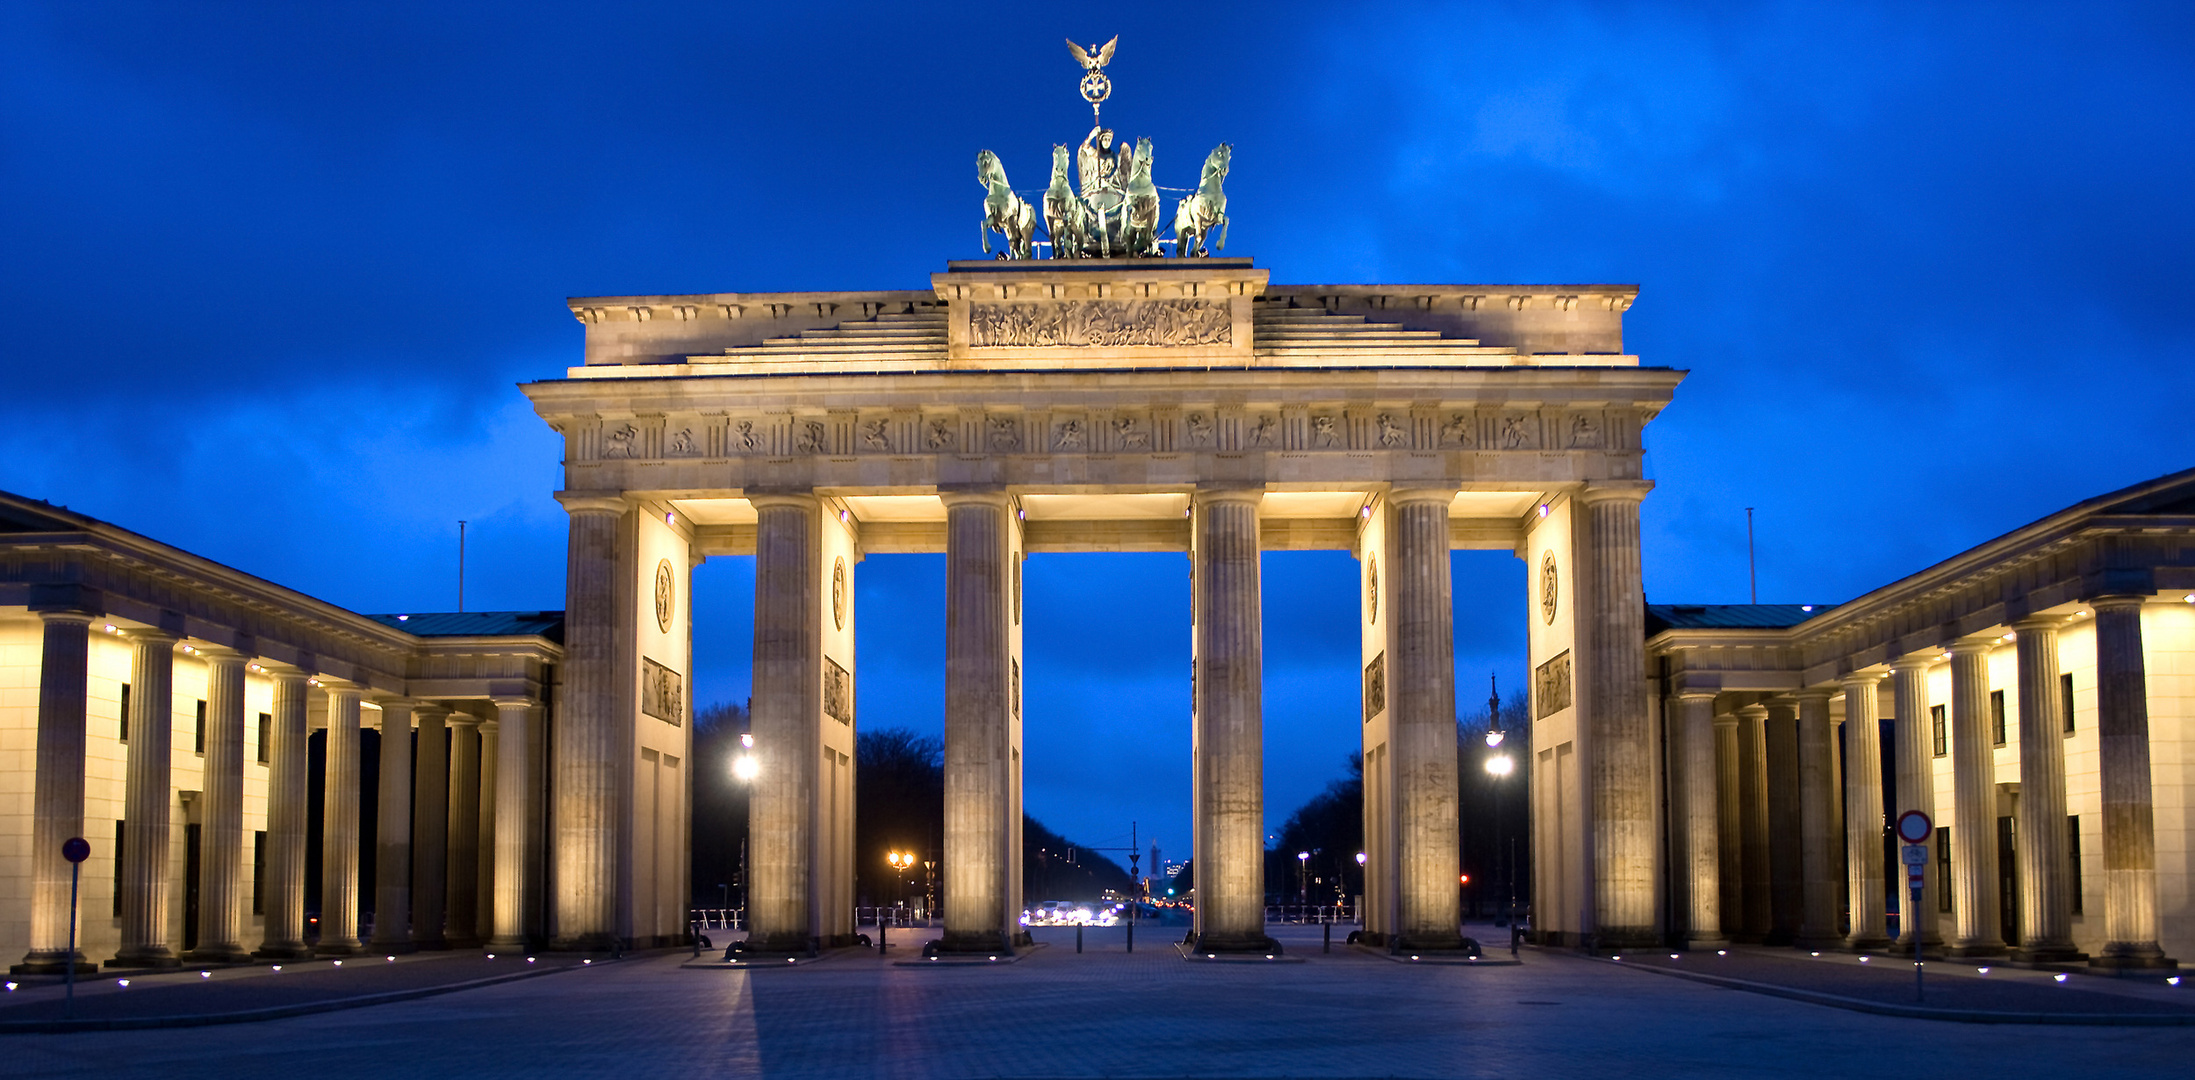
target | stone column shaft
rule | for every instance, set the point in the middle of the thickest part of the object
(1863, 820)
(1974, 799)
(221, 833)
(978, 648)
(1818, 842)
(146, 827)
(392, 865)
(1229, 722)
(484, 853)
(288, 766)
(1786, 866)
(1697, 822)
(589, 762)
(339, 827)
(2046, 885)
(1422, 726)
(513, 825)
(1760, 908)
(431, 829)
(58, 807)
(1729, 828)
(2131, 917)
(461, 897)
(787, 699)
(1916, 791)
(1612, 640)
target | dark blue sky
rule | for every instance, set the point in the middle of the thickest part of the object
(277, 268)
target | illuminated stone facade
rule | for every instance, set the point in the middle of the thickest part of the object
(2039, 693)
(1182, 405)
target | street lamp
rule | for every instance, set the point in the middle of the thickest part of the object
(1493, 712)
(1498, 766)
(1303, 877)
(744, 766)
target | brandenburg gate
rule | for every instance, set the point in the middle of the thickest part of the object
(1111, 397)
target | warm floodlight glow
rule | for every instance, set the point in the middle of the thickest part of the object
(744, 767)
(1543, 510)
(1499, 764)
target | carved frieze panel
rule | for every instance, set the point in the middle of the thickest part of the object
(1459, 431)
(1375, 687)
(1100, 324)
(662, 692)
(1551, 687)
(838, 692)
(1517, 431)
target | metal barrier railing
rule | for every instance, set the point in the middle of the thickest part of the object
(1310, 914)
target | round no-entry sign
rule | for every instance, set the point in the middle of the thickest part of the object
(1914, 827)
(74, 849)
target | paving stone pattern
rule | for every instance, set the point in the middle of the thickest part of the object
(1106, 1013)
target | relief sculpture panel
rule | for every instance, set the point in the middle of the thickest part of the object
(1100, 324)
(662, 692)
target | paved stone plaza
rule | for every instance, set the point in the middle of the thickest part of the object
(1106, 1013)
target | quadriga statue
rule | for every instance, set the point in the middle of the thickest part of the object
(1003, 211)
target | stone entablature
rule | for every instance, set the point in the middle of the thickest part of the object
(2138, 541)
(51, 557)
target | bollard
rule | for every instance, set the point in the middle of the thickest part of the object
(1078, 939)
(1326, 931)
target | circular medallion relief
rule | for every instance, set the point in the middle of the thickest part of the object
(1548, 588)
(838, 593)
(665, 601)
(1371, 588)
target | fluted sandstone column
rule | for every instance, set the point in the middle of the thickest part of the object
(431, 829)
(1817, 842)
(588, 757)
(1760, 906)
(2046, 886)
(58, 809)
(2131, 921)
(392, 864)
(1695, 811)
(1786, 865)
(1229, 722)
(1974, 801)
(339, 827)
(977, 735)
(288, 763)
(1612, 654)
(1916, 791)
(1422, 700)
(221, 830)
(787, 699)
(484, 833)
(1729, 828)
(513, 831)
(1863, 819)
(147, 797)
(461, 897)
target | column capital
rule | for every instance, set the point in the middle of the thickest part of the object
(211, 653)
(1917, 662)
(593, 502)
(1598, 491)
(67, 599)
(1812, 694)
(460, 718)
(1978, 644)
(65, 615)
(2118, 602)
(1250, 495)
(1406, 494)
(2046, 623)
(430, 708)
(996, 498)
(513, 701)
(1755, 711)
(799, 500)
(1728, 719)
(1689, 696)
(1858, 679)
(153, 636)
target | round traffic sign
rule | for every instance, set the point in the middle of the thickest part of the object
(1914, 827)
(74, 849)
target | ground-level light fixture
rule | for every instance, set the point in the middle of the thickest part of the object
(1499, 765)
(1360, 858)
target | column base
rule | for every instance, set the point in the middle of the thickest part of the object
(1705, 941)
(158, 957)
(56, 962)
(1978, 952)
(392, 948)
(1817, 942)
(1615, 939)
(286, 951)
(219, 954)
(2128, 963)
(437, 943)
(353, 947)
(1874, 943)
(1433, 943)
(497, 944)
(970, 941)
(599, 942)
(1215, 943)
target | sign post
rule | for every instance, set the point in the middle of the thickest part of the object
(75, 850)
(1915, 828)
